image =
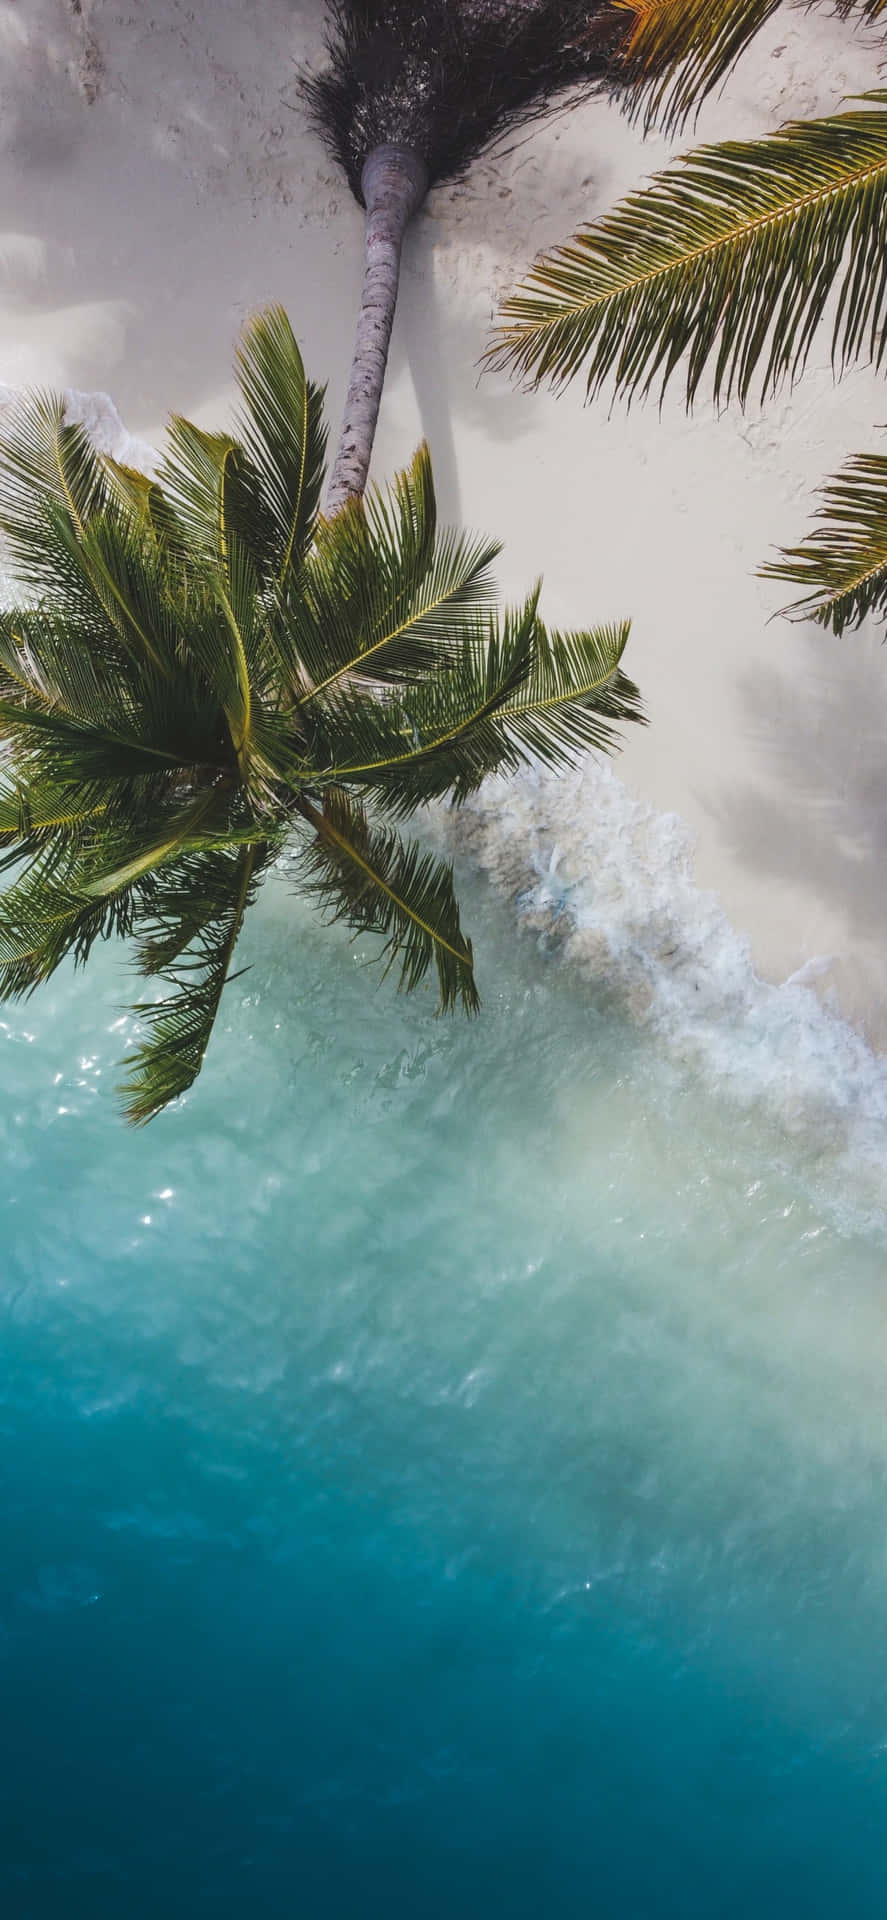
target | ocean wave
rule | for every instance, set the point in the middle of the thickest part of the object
(605, 883)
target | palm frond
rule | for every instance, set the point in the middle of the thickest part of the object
(179, 1028)
(377, 883)
(71, 750)
(385, 596)
(574, 697)
(234, 621)
(44, 460)
(518, 693)
(85, 715)
(677, 51)
(727, 261)
(867, 9)
(33, 810)
(129, 854)
(260, 489)
(145, 503)
(44, 918)
(214, 491)
(437, 736)
(58, 664)
(71, 535)
(842, 564)
(121, 567)
(282, 431)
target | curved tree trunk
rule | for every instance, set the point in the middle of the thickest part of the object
(394, 183)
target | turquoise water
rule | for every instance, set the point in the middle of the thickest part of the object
(445, 1468)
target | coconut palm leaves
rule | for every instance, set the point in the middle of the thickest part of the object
(201, 672)
(842, 565)
(725, 263)
(676, 51)
(866, 9)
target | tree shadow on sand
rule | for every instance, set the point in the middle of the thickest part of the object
(819, 811)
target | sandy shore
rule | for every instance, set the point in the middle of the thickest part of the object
(158, 181)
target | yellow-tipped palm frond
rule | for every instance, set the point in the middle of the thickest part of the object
(842, 565)
(867, 9)
(677, 50)
(727, 261)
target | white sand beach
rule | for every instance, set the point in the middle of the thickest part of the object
(159, 181)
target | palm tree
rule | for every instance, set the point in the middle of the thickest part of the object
(724, 268)
(413, 92)
(203, 671)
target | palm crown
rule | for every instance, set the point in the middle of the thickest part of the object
(203, 670)
(725, 267)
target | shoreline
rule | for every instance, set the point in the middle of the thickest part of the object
(606, 887)
(160, 183)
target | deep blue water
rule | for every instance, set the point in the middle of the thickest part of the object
(444, 1472)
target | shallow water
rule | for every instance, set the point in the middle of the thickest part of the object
(446, 1467)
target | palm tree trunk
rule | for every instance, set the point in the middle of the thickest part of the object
(394, 183)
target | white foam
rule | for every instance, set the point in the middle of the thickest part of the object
(607, 882)
(98, 414)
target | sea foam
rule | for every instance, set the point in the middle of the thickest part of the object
(606, 883)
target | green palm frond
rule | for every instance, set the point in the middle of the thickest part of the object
(517, 693)
(282, 431)
(842, 564)
(50, 664)
(69, 751)
(44, 918)
(378, 883)
(261, 488)
(143, 500)
(72, 563)
(120, 568)
(439, 735)
(727, 261)
(30, 812)
(574, 696)
(127, 855)
(44, 461)
(79, 715)
(209, 482)
(385, 595)
(167, 1063)
(677, 51)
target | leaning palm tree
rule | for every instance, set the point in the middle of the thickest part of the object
(202, 672)
(723, 268)
(412, 92)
